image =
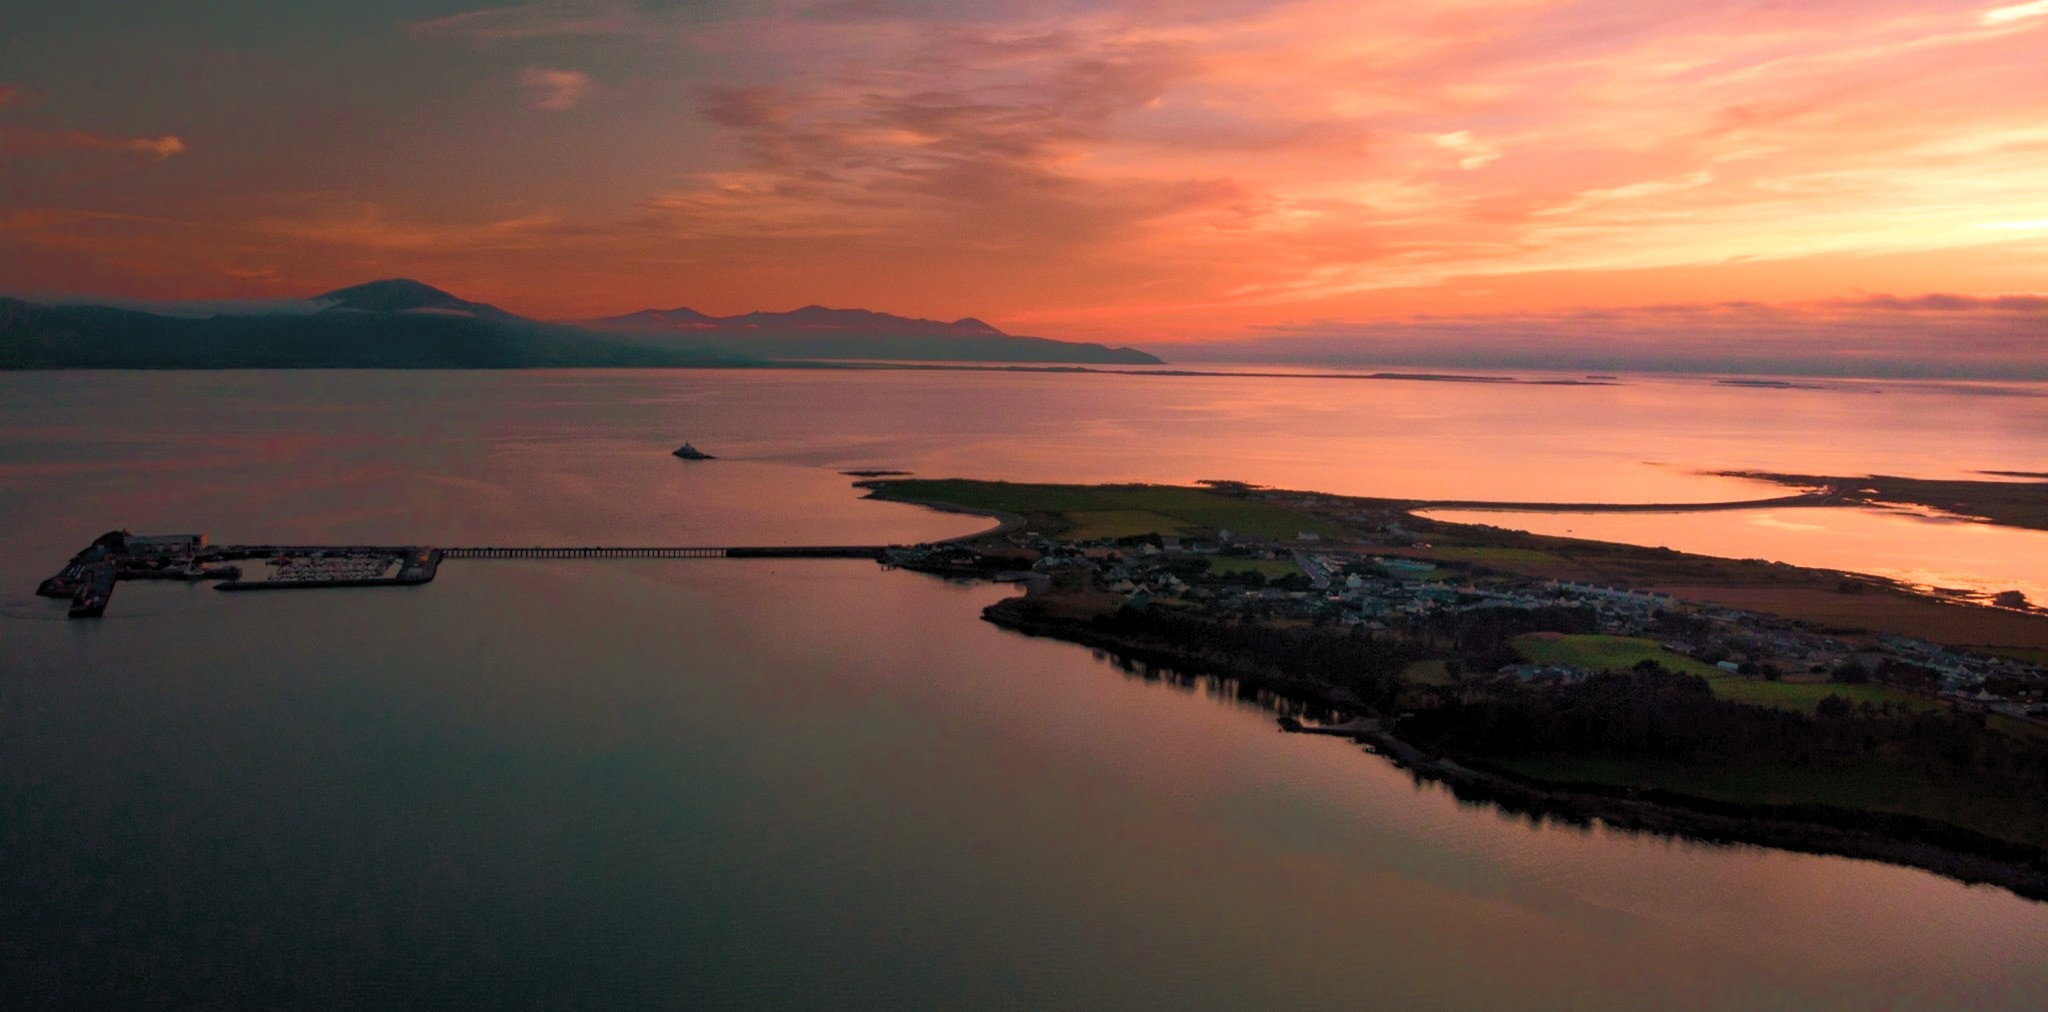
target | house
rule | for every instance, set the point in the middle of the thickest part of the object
(163, 544)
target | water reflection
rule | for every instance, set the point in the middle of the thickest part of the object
(768, 783)
(1933, 552)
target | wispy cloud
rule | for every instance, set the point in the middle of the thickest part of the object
(540, 19)
(28, 142)
(2015, 12)
(1935, 335)
(556, 90)
(1472, 153)
(982, 134)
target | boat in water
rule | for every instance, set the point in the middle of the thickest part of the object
(688, 452)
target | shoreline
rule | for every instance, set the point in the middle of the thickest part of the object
(1005, 522)
(1901, 840)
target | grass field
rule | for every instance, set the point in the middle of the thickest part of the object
(1804, 696)
(1605, 653)
(1082, 512)
(1430, 672)
(1271, 569)
(2031, 655)
(2016, 728)
(1486, 553)
(1619, 653)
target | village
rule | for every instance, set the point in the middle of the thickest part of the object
(1235, 579)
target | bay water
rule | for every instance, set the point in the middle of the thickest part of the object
(744, 783)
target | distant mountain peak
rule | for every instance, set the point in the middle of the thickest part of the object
(399, 295)
(681, 316)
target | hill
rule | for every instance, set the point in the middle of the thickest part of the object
(816, 332)
(393, 324)
(399, 323)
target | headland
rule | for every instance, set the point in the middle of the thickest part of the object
(1651, 690)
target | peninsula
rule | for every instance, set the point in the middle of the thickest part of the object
(1648, 689)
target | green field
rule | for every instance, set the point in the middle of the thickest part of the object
(1480, 553)
(2031, 655)
(1803, 696)
(1271, 569)
(1084, 512)
(1429, 672)
(2015, 727)
(1606, 653)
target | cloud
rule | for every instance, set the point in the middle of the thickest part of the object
(1474, 153)
(970, 137)
(373, 227)
(34, 142)
(1934, 335)
(540, 19)
(1279, 154)
(2016, 12)
(554, 89)
(2034, 305)
(1181, 170)
(11, 94)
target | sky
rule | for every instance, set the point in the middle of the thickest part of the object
(1822, 182)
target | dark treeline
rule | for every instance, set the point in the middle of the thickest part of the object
(1651, 713)
(1483, 640)
(1351, 660)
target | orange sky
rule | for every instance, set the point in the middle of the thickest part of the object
(1138, 172)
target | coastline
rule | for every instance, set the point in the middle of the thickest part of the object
(1808, 829)
(1005, 522)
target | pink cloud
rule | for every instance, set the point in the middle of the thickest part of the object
(1193, 170)
(554, 90)
(1342, 148)
(32, 142)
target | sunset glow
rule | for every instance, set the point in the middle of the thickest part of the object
(1127, 171)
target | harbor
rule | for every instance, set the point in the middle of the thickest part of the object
(89, 579)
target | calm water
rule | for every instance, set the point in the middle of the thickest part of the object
(800, 783)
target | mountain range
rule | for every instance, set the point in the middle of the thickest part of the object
(404, 324)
